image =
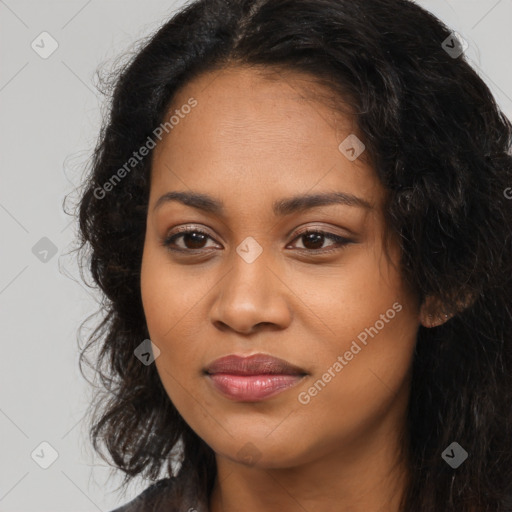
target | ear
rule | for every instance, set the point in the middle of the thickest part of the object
(433, 314)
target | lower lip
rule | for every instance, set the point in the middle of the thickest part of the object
(252, 388)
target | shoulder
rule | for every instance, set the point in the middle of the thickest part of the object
(178, 493)
(150, 498)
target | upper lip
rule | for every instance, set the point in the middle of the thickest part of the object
(256, 364)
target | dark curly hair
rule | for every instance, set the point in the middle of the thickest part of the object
(439, 144)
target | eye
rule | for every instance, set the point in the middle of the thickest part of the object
(313, 240)
(194, 239)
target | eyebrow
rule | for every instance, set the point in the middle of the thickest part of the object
(281, 207)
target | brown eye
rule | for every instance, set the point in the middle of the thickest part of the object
(193, 239)
(313, 240)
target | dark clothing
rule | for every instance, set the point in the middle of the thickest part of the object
(175, 494)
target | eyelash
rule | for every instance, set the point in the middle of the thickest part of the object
(341, 241)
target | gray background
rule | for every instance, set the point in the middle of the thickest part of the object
(49, 120)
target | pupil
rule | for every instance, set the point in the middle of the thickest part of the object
(315, 238)
(195, 239)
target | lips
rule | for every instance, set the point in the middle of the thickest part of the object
(257, 364)
(253, 378)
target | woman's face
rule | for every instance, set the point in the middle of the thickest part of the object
(336, 308)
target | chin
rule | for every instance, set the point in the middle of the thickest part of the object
(260, 452)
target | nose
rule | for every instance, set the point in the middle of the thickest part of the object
(251, 297)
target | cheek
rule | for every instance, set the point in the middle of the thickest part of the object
(171, 295)
(357, 387)
(168, 308)
(364, 357)
(348, 297)
(376, 328)
(333, 310)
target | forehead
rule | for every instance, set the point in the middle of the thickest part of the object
(238, 103)
(262, 132)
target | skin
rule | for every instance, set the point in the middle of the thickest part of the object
(248, 142)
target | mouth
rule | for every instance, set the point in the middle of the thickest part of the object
(256, 364)
(253, 378)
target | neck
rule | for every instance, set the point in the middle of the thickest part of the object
(369, 476)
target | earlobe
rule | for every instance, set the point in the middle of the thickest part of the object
(432, 313)
(427, 317)
(429, 320)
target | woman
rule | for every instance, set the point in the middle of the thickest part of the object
(297, 210)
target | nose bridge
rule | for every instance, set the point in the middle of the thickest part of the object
(250, 292)
(250, 274)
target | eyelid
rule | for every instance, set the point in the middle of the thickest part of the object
(183, 230)
(340, 241)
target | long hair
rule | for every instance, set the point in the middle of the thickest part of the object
(439, 144)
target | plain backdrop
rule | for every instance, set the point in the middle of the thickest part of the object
(49, 120)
